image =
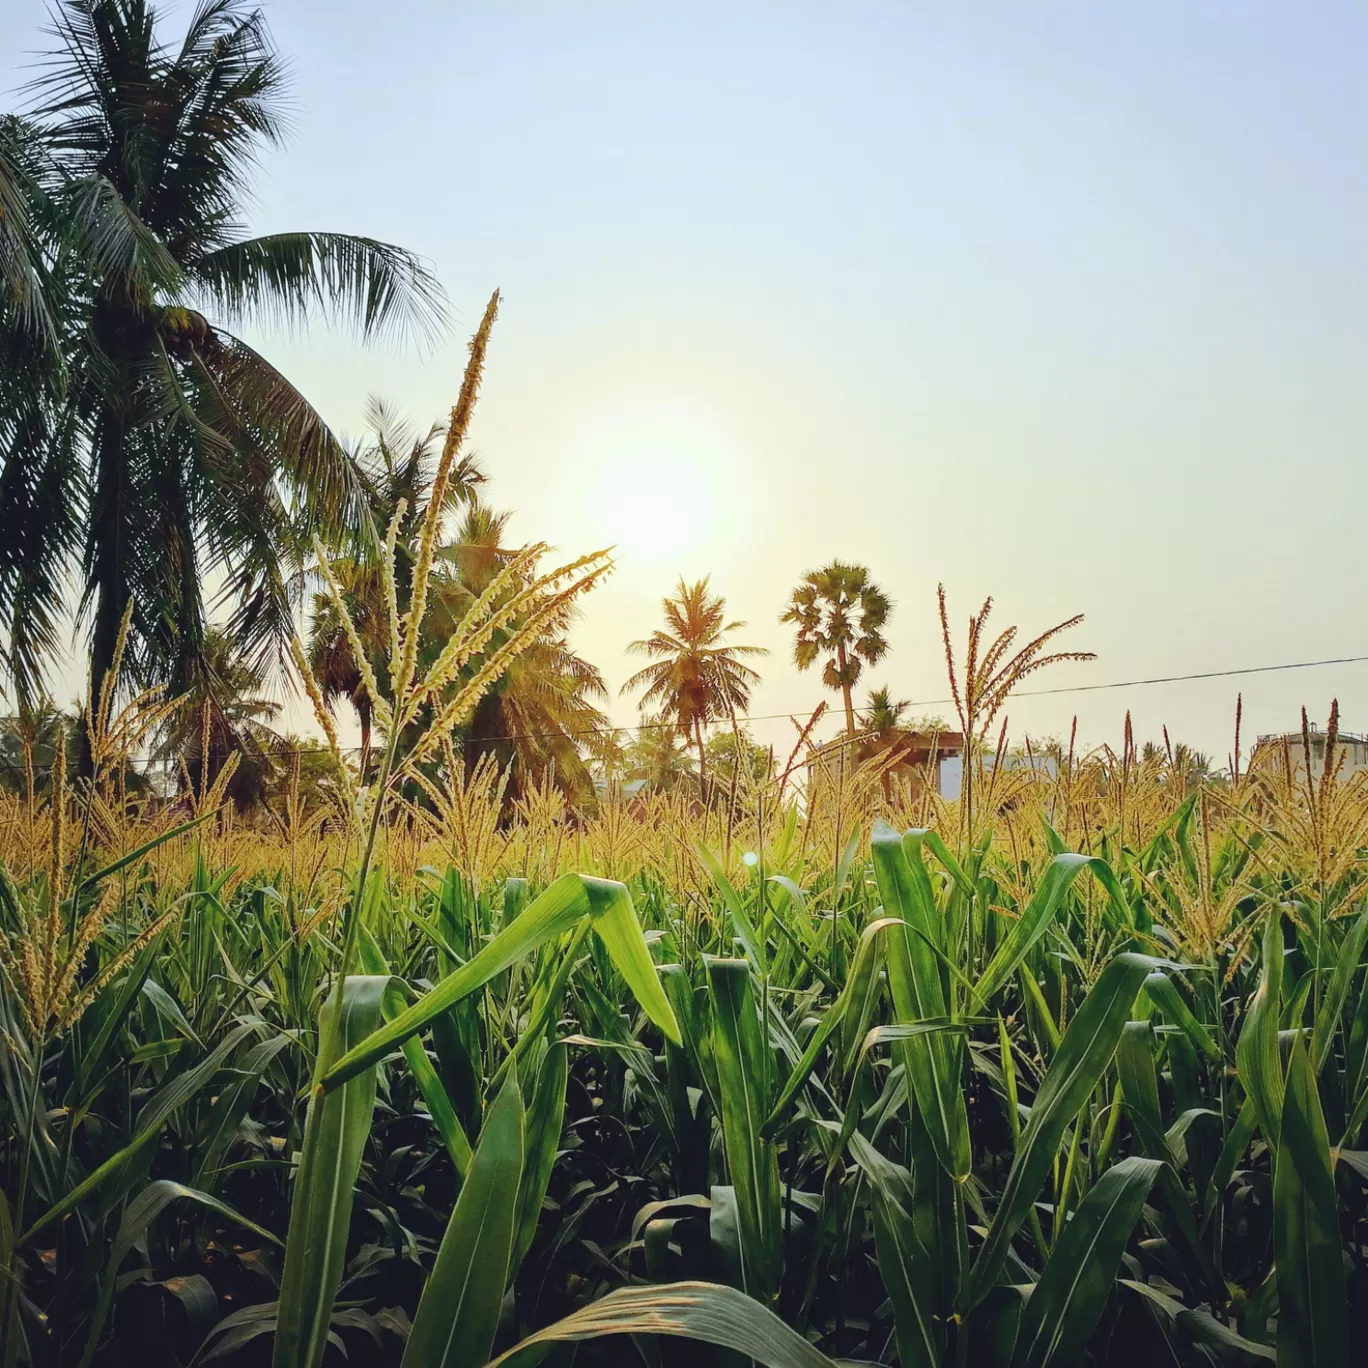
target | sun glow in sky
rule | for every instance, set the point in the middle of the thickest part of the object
(665, 487)
(1065, 303)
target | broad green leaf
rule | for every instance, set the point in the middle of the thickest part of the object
(138, 1215)
(743, 1083)
(1032, 924)
(1256, 1051)
(1140, 1088)
(1072, 1292)
(559, 908)
(952, 866)
(231, 1107)
(1236, 1142)
(415, 1056)
(905, 1262)
(854, 997)
(736, 909)
(123, 992)
(932, 1061)
(1078, 1066)
(1337, 992)
(114, 1177)
(459, 1310)
(1356, 1058)
(797, 904)
(843, 865)
(335, 1131)
(545, 1120)
(697, 1039)
(1313, 1320)
(707, 1312)
(1164, 994)
(1199, 1326)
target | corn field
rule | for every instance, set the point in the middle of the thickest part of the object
(852, 1073)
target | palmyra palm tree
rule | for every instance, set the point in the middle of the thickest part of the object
(152, 446)
(696, 676)
(840, 613)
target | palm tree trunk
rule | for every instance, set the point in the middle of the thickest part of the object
(365, 745)
(845, 689)
(702, 760)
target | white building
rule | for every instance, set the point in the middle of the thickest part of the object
(1351, 752)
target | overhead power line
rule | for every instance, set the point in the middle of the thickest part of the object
(918, 703)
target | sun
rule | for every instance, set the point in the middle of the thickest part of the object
(665, 488)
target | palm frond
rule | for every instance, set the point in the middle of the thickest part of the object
(283, 278)
(260, 407)
(114, 241)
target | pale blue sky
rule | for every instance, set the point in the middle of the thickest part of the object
(1064, 302)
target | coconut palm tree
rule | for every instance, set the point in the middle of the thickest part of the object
(171, 450)
(28, 744)
(606, 752)
(883, 716)
(225, 712)
(658, 754)
(31, 376)
(696, 676)
(840, 614)
(539, 714)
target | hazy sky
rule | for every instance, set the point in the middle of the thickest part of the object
(1062, 302)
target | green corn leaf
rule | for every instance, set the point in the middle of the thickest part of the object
(1313, 1320)
(1078, 1066)
(546, 1005)
(854, 998)
(117, 1174)
(514, 899)
(743, 1083)
(1164, 994)
(1199, 1326)
(231, 1107)
(932, 1061)
(706, 1312)
(1357, 1118)
(797, 904)
(889, 1035)
(843, 865)
(459, 1309)
(1140, 1088)
(420, 1066)
(1072, 1292)
(123, 993)
(545, 1121)
(558, 909)
(736, 909)
(1032, 924)
(1337, 991)
(697, 1041)
(1236, 1142)
(138, 1215)
(906, 1263)
(1256, 1051)
(335, 1132)
(952, 866)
